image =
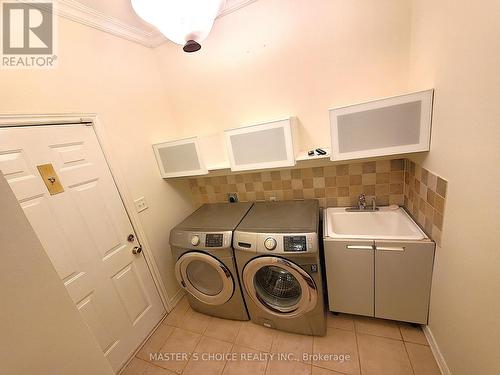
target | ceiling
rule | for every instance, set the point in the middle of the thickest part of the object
(120, 14)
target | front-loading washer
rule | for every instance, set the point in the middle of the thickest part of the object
(204, 259)
(277, 253)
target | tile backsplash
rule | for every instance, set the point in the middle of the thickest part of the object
(425, 198)
(335, 185)
(396, 181)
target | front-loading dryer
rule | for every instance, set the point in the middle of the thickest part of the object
(204, 259)
(277, 253)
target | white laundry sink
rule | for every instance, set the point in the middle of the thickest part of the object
(388, 223)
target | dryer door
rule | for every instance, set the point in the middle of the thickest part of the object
(205, 277)
(280, 286)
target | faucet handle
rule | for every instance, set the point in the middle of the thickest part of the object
(362, 197)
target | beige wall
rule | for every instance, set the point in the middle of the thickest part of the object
(276, 58)
(455, 48)
(120, 81)
(41, 329)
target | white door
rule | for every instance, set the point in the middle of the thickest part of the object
(84, 231)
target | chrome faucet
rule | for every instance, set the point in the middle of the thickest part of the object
(362, 205)
(362, 202)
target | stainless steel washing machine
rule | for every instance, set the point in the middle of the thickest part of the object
(205, 267)
(277, 253)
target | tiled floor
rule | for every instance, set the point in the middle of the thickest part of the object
(375, 347)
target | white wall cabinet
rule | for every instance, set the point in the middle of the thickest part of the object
(268, 145)
(385, 279)
(179, 158)
(390, 126)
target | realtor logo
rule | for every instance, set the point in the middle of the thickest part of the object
(27, 35)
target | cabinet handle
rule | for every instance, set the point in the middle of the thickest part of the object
(388, 248)
(359, 247)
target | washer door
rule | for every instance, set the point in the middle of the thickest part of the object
(279, 286)
(205, 277)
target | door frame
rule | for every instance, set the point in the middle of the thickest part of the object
(92, 119)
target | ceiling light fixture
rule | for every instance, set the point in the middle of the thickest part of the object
(185, 22)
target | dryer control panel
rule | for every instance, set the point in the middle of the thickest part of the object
(200, 240)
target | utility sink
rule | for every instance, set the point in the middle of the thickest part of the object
(388, 223)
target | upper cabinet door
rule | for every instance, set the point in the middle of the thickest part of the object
(179, 158)
(268, 145)
(396, 125)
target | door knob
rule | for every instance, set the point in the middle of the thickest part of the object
(131, 238)
(137, 250)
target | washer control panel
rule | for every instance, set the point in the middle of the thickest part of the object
(294, 243)
(278, 243)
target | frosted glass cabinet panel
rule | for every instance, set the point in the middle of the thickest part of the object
(268, 145)
(396, 125)
(179, 158)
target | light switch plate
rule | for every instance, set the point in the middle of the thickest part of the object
(140, 204)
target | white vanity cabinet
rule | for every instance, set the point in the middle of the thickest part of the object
(268, 145)
(403, 274)
(390, 126)
(385, 279)
(350, 274)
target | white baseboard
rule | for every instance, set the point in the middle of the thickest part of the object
(445, 370)
(176, 298)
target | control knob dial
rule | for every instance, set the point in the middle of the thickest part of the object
(195, 240)
(270, 243)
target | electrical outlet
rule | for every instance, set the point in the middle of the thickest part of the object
(140, 204)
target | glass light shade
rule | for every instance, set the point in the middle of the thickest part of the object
(180, 20)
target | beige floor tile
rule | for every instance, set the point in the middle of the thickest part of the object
(324, 371)
(155, 370)
(183, 343)
(201, 361)
(294, 344)
(422, 360)
(383, 356)
(175, 317)
(223, 329)
(412, 334)
(255, 336)
(377, 327)
(195, 322)
(342, 321)
(245, 363)
(338, 342)
(275, 367)
(155, 342)
(135, 367)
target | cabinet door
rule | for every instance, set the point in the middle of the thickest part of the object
(268, 145)
(179, 158)
(350, 276)
(403, 273)
(389, 126)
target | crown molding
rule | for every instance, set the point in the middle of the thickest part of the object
(233, 5)
(77, 12)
